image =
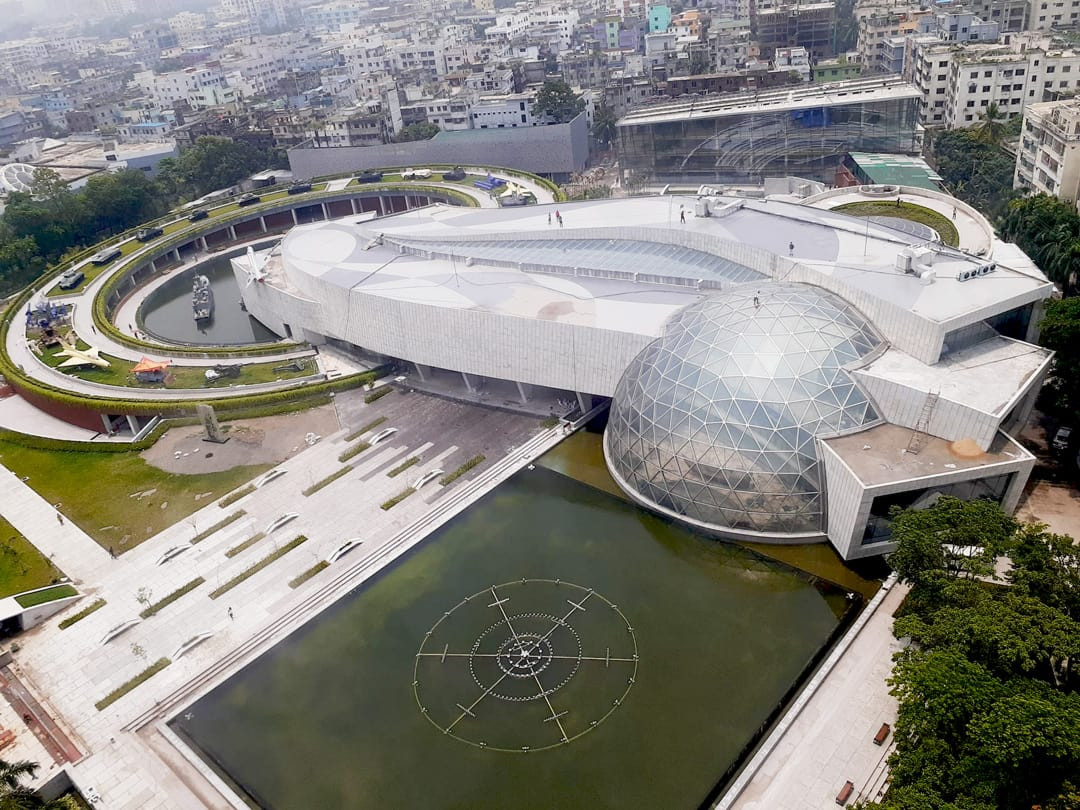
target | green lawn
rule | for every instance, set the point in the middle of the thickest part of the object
(95, 490)
(119, 373)
(908, 211)
(47, 595)
(22, 567)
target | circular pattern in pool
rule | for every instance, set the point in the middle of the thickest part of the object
(555, 662)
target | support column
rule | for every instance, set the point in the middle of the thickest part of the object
(524, 389)
(472, 382)
(202, 244)
(294, 219)
(153, 266)
(584, 401)
(423, 372)
(382, 205)
(325, 211)
(176, 254)
(232, 234)
(105, 423)
(133, 424)
(262, 224)
(352, 202)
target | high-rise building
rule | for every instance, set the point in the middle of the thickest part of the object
(1048, 160)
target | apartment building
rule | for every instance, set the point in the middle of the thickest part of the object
(878, 31)
(809, 25)
(199, 87)
(1043, 15)
(1048, 161)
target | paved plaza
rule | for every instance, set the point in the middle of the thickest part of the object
(69, 670)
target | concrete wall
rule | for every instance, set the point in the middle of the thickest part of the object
(558, 150)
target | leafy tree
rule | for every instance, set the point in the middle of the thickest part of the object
(978, 172)
(1048, 230)
(557, 101)
(14, 795)
(212, 163)
(604, 125)
(1047, 567)
(992, 126)
(1061, 333)
(421, 131)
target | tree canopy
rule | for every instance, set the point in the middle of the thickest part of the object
(978, 171)
(1061, 333)
(421, 131)
(14, 795)
(603, 127)
(1048, 230)
(557, 101)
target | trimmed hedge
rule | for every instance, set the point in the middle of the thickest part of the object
(233, 497)
(163, 603)
(390, 504)
(353, 451)
(326, 481)
(97, 604)
(221, 524)
(128, 685)
(375, 396)
(403, 466)
(450, 478)
(296, 582)
(255, 538)
(360, 431)
(252, 570)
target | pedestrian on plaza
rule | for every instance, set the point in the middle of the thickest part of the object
(230, 613)
(93, 329)
(682, 215)
(112, 552)
(549, 217)
(791, 248)
(59, 518)
(954, 213)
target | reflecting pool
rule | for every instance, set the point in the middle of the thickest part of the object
(657, 654)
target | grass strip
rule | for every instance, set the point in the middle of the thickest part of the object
(252, 570)
(360, 431)
(353, 451)
(326, 481)
(97, 604)
(221, 524)
(127, 686)
(450, 478)
(374, 396)
(403, 466)
(159, 605)
(29, 600)
(296, 582)
(909, 211)
(390, 504)
(233, 497)
(255, 538)
(550, 422)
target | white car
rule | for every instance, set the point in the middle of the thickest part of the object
(416, 174)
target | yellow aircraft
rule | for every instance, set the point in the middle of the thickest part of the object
(79, 357)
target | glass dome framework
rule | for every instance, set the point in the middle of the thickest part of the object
(716, 421)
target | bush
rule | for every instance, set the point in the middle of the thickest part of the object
(450, 478)
(159, 605)
(97, 604)
(374, 423)
(353, 451)
(403, 466)
(378, 394)
(221, 524)
(127, 686)
(390, 504)
(257, 567)
(296, 582)
(326, 481)
(233, 497)
(255, 538)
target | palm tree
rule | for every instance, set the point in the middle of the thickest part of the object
(992, 126)
(14, 795)
(603, 128)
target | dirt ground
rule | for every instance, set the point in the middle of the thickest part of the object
(268, 440)
(1051, 497)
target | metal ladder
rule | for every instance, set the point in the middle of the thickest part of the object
(920, 435)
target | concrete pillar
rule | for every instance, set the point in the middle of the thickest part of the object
(382, 206)
(352, 202)
(262, 224)
(105, 423)
(153, 266)
(232, 234)
(176, 254)
(584, 401)
(293, 212)
(325, 211)
(202, 244)
(472, 382)
(423, 372)
(524, 389)
(133, 423)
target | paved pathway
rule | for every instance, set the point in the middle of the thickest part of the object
(831, 740)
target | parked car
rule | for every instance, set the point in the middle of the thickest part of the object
(71, 279)
(455, 174)
(105, 256)
(197, 214)
(248, 199)
(416, 174)
(146, 234)
(1061, 438)
(299, 188)
(369, 177)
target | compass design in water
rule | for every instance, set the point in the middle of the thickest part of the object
(526, 665)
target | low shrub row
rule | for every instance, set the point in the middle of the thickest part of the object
(403, 466)
(451, 477)
(390, 504)
(360, 431)
(97, 604)
(255, 538)
(377, 394)
(127, 686)
(354, 451)
(252, 570)
(327, 481)
(233, 497)
(159, 605)
(296, 582)
(221, 524)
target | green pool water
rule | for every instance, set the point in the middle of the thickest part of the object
(343, 714)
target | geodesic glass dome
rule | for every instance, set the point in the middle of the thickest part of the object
(715, 420)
